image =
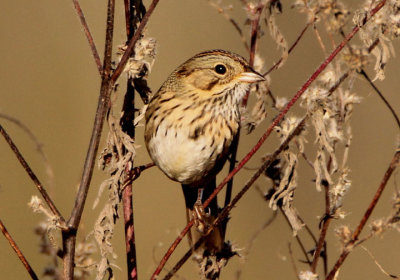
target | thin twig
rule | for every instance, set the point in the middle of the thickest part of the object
(348, 247)
(88, 36)
(275, 66)
(231, 20)
(34, 178)
(378, 264)
(260, 230)
(326, 221)
(69, 236)
(18, 251)
(301, 245)
(136, 172)
(371, 83)
(276, 121)
(253, 40)
(127, 9)
(296, 271)
(39, 147)
(308, 230)
(103, 104)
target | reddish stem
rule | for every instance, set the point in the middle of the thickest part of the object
(18, 251)
(69, 235)
(88, 36)
(275, 66)
(324, 230)
(393, 164)
(33, 177)
(130, 245)
(253, 41)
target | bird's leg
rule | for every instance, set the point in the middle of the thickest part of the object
(200, 216)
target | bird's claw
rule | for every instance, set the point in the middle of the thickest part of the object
(200, 217)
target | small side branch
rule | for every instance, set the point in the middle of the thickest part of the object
(88, 35)
(69, 235)
(396, 117)
(347, 249)
(33, 177)
(325, 224)
(253, 40)
(275, 66)
(18, 251)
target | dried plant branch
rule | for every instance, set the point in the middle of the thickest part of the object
(276, 121)
(225, 212)
(127, 9)
(297, 237)
(69, 236)
(378, 264)
(255, 23)
(372, 84)
(296, 271)
(276, 65)
(132, 42)
(18, 251)
(133, 15)
(231, 20)
(88, 35)
(130, 244)
(136, 172)
(354, 237)
(324, 229)
(321, 245)
(319, 39)
(39, 146)
(102, 108)
(34, 178)
(260, 230)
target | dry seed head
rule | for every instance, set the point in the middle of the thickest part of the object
(338, 191)
(355, 59)
(142, 61)
(378, 226)
(308, 275)
(280, 102)
(344, 235)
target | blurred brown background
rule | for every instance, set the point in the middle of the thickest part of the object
(50, 83)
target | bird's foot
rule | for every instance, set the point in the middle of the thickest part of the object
(200, 217)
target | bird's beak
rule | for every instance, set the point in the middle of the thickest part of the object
(251, 77)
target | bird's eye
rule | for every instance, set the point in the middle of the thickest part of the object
(220, 69)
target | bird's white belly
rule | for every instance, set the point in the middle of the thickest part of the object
(180, 157)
